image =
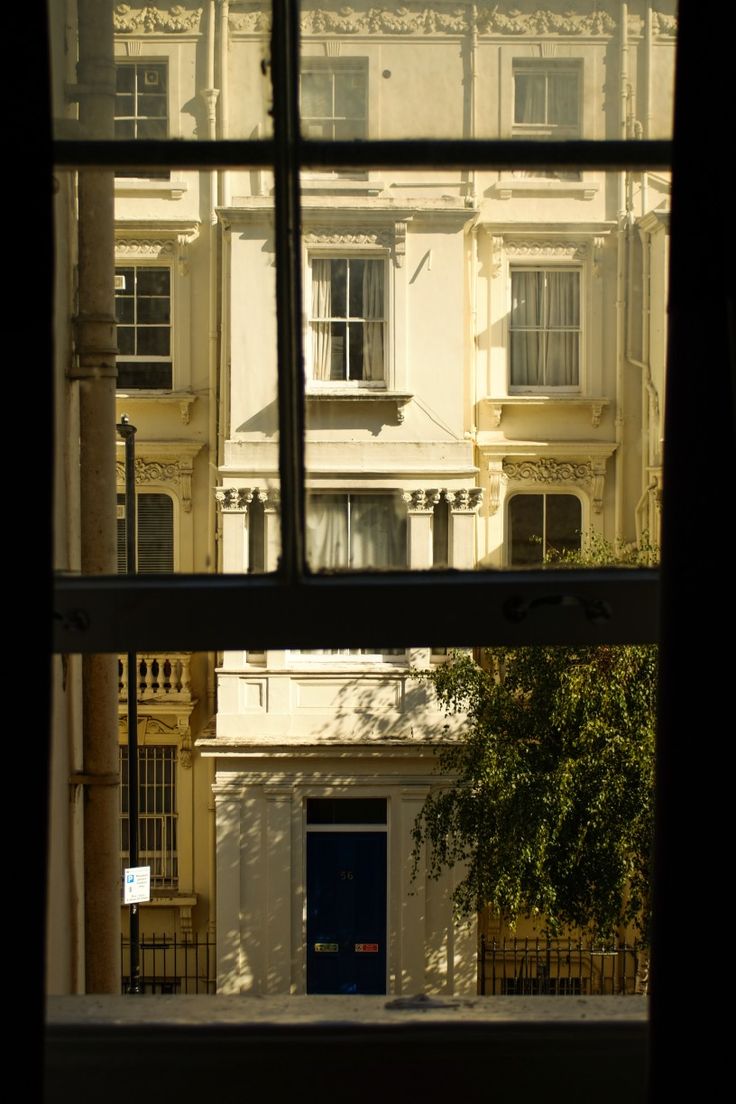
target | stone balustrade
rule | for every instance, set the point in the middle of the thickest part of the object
(161, 677)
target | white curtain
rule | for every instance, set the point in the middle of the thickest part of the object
(373, 358)
(545, 337)
(357, 531)
(321, 308)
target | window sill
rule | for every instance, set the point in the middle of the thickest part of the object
(336, 184)
(596, 406)
(422, 1047)
(521, 186)
(184, 399)
(361, 394)
(139, 186)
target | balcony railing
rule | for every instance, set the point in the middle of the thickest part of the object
(161, 677)
(172, 965)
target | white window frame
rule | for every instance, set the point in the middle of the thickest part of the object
(139, 358)
(548, 388)
(387, 321)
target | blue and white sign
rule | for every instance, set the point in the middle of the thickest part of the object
(136, 884)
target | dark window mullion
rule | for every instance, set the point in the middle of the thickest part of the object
(285, 78)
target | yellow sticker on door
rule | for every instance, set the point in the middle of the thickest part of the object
(326, 948)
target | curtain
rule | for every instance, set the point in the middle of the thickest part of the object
(562, 310)
(321, 308)
(373, 357)
(527, 290)
(529, 98)
(327, 531)
(545, 329)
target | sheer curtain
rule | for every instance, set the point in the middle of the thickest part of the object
(373, 359)
(545, 329)
(561, 344)
(321, 308)
(357, 531)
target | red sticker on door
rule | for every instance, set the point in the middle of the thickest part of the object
(366, 948)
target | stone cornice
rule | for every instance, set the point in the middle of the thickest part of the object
(486, 18)
(238, 499)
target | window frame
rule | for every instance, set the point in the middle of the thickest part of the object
(581, 330)
(544, 494)
(326, 254)
(135, 358)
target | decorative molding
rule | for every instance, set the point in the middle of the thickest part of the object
(572, 250)
(145, 247)
(664, 24)
(589, 474)
(176, 472)
(544, 22)
(421, 502)
(467, 500)
(332, 47)
(420, 19)
(133, 47)
(150, 20)
(392, 239)
(548, 470)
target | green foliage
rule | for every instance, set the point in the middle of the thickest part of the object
(552, 804)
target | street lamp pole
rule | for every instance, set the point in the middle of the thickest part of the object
(127, 432)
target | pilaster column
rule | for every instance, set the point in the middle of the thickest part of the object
(233, 504)
(419, 508)
(413, 925)
(278, 889)
(272, 523)
(463, 507)
(228, 848)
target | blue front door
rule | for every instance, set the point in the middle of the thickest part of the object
(346, 912)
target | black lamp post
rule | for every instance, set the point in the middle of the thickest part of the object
(127, 432)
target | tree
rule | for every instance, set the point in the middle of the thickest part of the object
(551, 803)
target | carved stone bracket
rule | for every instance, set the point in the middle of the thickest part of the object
(598, 244)
(185, 742)
(176, 472)
(495, 482)
(497, 244)
(150, 20)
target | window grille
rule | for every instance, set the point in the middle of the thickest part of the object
(157, 818)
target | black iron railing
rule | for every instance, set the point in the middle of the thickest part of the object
(172, 965)
(560, 967)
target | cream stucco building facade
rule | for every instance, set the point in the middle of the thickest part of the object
(484, 364)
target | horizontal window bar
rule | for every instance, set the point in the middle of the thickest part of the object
(449, 153)
(216, 612)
